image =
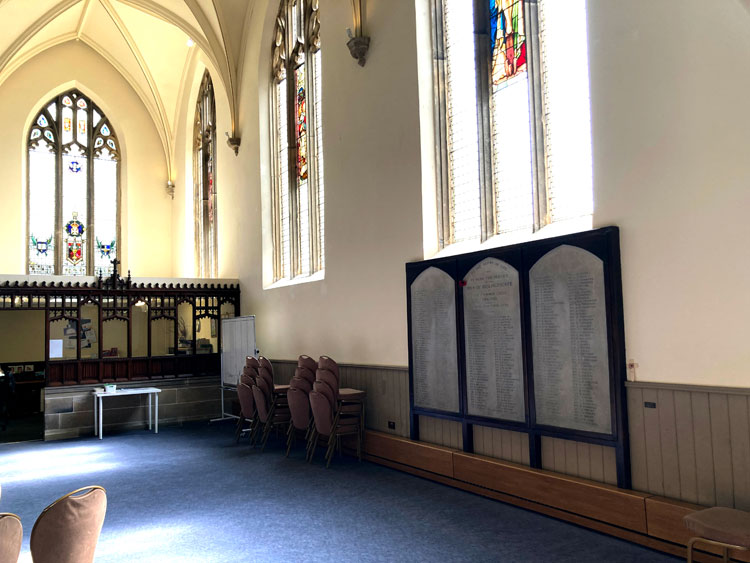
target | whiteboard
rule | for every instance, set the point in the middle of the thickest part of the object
(237, 342)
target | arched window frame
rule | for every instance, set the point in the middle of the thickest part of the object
(485, 195)
(204, 177)
(101, 142)
(297, 153)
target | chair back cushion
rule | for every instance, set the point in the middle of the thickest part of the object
(252, 363)
(328, 363)
(247, 380)
(301, 384)
(322, 413)
(324, 389)
(11, 535)
(260, 402)
(307, 362)
(68, 529)
(265, 363)
(249, 372)
(299, 407)
(305, 373)
(327, 377)
(247, 403)
(265, 374)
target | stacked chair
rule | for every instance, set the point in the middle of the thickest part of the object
(247, 402)
(270, 401)
(299, 401)
(332, 417)
(11, 536)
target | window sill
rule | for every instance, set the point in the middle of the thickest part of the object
(317, 276)
(558, 228)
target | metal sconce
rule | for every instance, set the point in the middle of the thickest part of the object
(170, 188)
(358, 43)
(233, 143)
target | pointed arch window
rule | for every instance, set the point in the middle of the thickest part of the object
(73, 199)
(298, 197)
(204, 174)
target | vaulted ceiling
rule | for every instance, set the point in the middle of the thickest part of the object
(147, 41)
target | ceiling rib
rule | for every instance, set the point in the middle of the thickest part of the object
(225, 69)
(33, 29)
(84, 16)
(163, 120)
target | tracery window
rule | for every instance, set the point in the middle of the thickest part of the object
(73, 189)
(298, 199)
(204, 174)
(512, 116)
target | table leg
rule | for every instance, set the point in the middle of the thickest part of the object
(156, 395)
(101, 417)
(149, 411)
(96, 419)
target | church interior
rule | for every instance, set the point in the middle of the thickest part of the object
(172, 164)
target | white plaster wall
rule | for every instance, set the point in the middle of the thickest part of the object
(671, 143)
(146, 235)
(671, 139)
(373, 211)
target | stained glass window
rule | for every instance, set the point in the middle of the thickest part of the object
(298, 165)
(67, 234)
(512, 116)
(205, 180)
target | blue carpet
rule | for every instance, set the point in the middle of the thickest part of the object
(189, 494)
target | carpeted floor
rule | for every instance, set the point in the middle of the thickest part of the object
(189, 494)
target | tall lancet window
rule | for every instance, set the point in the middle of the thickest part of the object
(297, 142)
(204, 175)
(73, 189)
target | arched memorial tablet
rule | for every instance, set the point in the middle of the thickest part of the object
(569, 341)
(433, 326)
(492, 337)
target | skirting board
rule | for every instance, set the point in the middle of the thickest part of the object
(641, 518)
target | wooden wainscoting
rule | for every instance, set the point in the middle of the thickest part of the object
(501, 444)
(387, 392)
(579, 459)
(691, 443)
(648, 520)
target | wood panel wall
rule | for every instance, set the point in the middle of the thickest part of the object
(589, 461)
(387, 392)
(694, 445)
(501, 444)
(691, 443)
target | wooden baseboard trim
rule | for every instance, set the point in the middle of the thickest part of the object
(376, 451)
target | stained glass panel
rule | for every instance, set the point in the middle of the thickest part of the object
(81, 103)
(42, 210)
(283, 170)
(48, 134)
(96, 118)
(105, 130)
(74, 212)
(301, 125)
(82, 119)
(35, 134)
(67, 102)
(105, 211)
(463, 148)
(319, 156)
(42, 121)
(508, 39)
(67, 129)
(52, 110)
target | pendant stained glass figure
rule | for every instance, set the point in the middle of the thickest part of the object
(301, 124)
(74, 166)
(508, 39)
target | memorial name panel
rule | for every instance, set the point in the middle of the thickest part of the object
(569, 341)
(492, 336)
(434, 341)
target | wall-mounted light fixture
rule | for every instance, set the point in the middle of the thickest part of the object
(234, 143)
(358, 42)
(170, 188)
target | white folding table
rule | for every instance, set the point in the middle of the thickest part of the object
(99, 415)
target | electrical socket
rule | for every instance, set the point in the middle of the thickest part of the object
(391, 425)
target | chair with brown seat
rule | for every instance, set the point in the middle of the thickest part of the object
(298, 399)
(68, 529)
(330, 423)
(272, 413)
(11, 536)
(247, 409)
(727, 528)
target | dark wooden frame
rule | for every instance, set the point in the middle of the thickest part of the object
(115, 298)
(603, 243)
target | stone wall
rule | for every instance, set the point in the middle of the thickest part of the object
(69, 411)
